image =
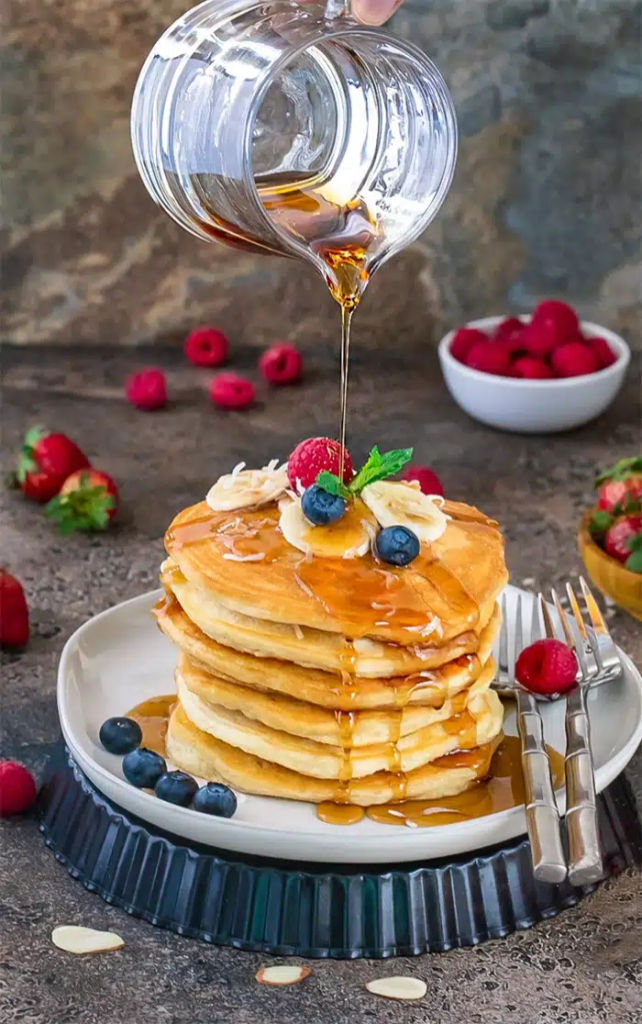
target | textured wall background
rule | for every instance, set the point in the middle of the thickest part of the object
(546, 199)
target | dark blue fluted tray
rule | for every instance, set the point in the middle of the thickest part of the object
(303, 909)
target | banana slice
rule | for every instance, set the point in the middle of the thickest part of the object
(350, 537)
(243, 488)
(398, 504)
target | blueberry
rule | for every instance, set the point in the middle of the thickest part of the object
(177, 788)
(213, 798)
(120, 735)
(143, 768)
(321, 508)
(397, 545)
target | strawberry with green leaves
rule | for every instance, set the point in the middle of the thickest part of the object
(620, 487)
(87, 501)
(46, 460)
(623, 541)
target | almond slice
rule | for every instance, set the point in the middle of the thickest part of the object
(398, 988)
(286, 974)
(74, 939)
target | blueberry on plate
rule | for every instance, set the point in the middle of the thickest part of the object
(143, 768)
(397, 545)
(214, 798)
(321, 508)
(120, 735)
(177, 788)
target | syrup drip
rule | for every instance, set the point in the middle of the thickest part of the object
(153, 716)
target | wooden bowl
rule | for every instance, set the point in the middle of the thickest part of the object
(609, 576)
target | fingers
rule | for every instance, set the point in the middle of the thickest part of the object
(374, 12)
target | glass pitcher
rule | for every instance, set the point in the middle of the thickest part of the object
(292, 129)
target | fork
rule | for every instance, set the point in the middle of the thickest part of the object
(598, 663)
(542, 815)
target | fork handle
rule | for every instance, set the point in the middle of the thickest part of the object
(542, 816)
(584, 854)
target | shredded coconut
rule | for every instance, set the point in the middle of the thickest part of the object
(298, 632)
(237, 469)
(304, 587)
(385, 623)
(245, 558)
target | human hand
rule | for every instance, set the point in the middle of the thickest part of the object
(374, 12)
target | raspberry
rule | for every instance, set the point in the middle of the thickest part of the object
(602, 351)
(530, 369)
(510, 330)
(147, 389)
(547, 666)
(229, 391)
(556, 318)
(428, 480)
(281, 364)
(206, 347)
(574, 359)
(463, 340)
(311, 457)
(538, 340)
(490, 357)
(17, 789)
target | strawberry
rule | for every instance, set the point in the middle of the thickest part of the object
(547, 666)
(206, 347)
(557, 319)
(230, 391)
(14, 613)
(45, 462)
(620, 537)
(602, 351)
(88, 500)
(463, 340)
(428, 480)
(530, 368)
(17, 789)
(490, 357)
(620, 488)
(573, 359)
(314, 456)
(147, 389)
(281, 364)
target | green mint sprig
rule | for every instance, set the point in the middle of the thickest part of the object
(599, 524)
(634, 561)
(621, 470)
(379, 466)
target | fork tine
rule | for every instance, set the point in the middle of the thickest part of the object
(546, 616)
(576, 611)
(503, 637)
(579, 625)
(519, 635)
(536, 629)
(592, 608)
(561, 614)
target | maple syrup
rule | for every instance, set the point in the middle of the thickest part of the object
(153, 717)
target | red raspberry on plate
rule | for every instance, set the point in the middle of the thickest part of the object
(206, 347)
(17, 789)
(230, 391)
(281, 364)
(547, 666)
(147, 389)
(427, 479)
(463, 340)
(312, 457)
(557, 318)
(490, 357)
(510, 330)
(574, 359)
(530, 368)
(602, 351)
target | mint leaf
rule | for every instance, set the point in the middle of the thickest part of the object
(634, 561)
(379, 467)
(635, 543)
(621, 470)
(599, 524)
(333, 485)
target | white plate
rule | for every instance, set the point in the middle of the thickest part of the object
(120, 658)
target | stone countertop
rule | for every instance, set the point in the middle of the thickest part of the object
(585, 965)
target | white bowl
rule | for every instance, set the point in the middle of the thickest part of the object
(534, 406)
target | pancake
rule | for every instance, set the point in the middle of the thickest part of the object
(478, 724)
(313, 648)
(338, 728)
(242, 561)
(208, 758)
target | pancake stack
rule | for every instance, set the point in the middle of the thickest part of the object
(310, 670)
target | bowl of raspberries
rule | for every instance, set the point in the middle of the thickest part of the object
(535, 374)
(610, 535)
